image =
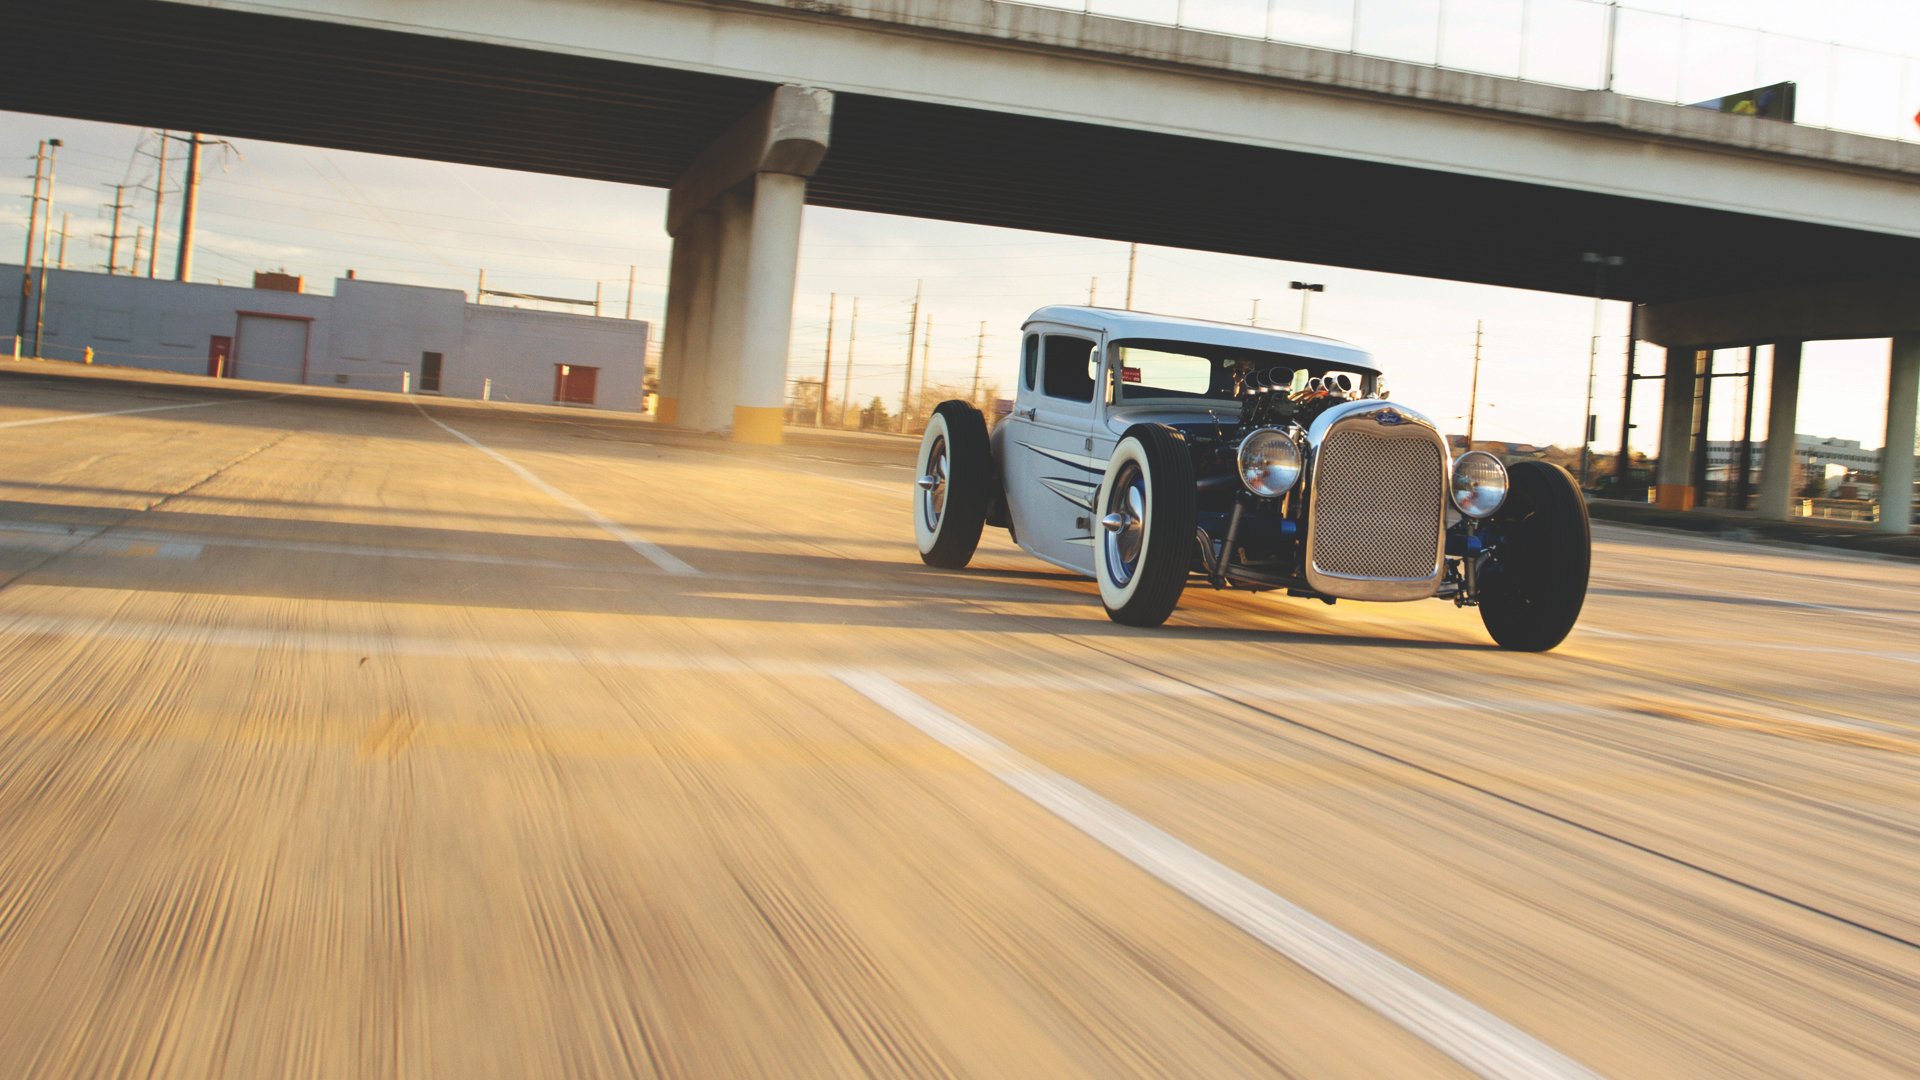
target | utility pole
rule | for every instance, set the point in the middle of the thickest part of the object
(979, 354)
(159, 201)
(826, 366)
(596, 299)
(189, 207)
(1473, 398)
(1093, 289)
(113, 239)
(853, 332)
(1623, 465)
(139, 241)
(40, 302)
(61, 262)
(630, 272)
(480, 290)
(926, 347)
(1254, 319)
(1133, 263)
(1600, 264)
(913, 328)
(26, 261)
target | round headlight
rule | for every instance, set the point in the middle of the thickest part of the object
(1479, 483)
(1269, 463)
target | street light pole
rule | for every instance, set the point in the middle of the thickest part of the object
(40, 301)
(26, 261)
(1306, 289)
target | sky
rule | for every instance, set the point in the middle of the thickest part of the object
(318, 212)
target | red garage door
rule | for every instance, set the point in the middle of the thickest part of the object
(574, 384)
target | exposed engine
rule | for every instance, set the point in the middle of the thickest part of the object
(1277, 395)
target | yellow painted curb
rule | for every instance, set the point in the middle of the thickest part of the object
(1674, 496)
(757, 425)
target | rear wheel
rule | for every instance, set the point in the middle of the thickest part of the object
(955, 470)
(1143, 536)
(1532, 590)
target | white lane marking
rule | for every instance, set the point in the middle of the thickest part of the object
(1443, 1019)
(653, 553)
(126, 412)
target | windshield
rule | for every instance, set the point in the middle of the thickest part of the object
(1150, 370)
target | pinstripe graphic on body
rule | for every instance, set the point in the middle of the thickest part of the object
(1078, 491)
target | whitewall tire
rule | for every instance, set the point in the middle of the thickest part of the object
(954, 471)
(1143, 528)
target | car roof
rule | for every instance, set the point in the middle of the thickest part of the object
(1116, 323)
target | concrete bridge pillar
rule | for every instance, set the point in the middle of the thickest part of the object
(1779, 467)
(736, 212)
(681, 277)
(1674, 480)
(772, 255)
(1896, 459)
(708, 405)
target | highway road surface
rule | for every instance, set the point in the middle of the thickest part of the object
(359, 736)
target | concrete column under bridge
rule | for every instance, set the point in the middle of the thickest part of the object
(1779, 467)
(1786, 318)
(1674, 480)
(1896, 457)
(735, 221)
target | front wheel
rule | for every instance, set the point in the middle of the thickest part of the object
(955, 469)
(1532, 590)
(1143, 533)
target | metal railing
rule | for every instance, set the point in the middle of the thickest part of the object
(1583, 44)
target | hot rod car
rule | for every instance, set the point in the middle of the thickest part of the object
(1151, 453)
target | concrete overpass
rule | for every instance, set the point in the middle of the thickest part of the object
(1033, 118)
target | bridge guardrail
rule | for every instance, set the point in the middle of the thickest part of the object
(1583, 44)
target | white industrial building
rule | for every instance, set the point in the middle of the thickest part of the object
(368, 334)
(1811, 451)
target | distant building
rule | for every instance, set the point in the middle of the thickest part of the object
(368, 334)
(1831, 460)
(1809, 450)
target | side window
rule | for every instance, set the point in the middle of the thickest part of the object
(1068, 371)
(1032, 364)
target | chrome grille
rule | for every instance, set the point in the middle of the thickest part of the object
(1376, 506)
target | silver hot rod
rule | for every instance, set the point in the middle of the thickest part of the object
(1151, 453)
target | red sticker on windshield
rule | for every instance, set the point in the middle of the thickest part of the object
(1129, 374)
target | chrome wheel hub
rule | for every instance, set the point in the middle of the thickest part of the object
(933, 486)
(1125, 524)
